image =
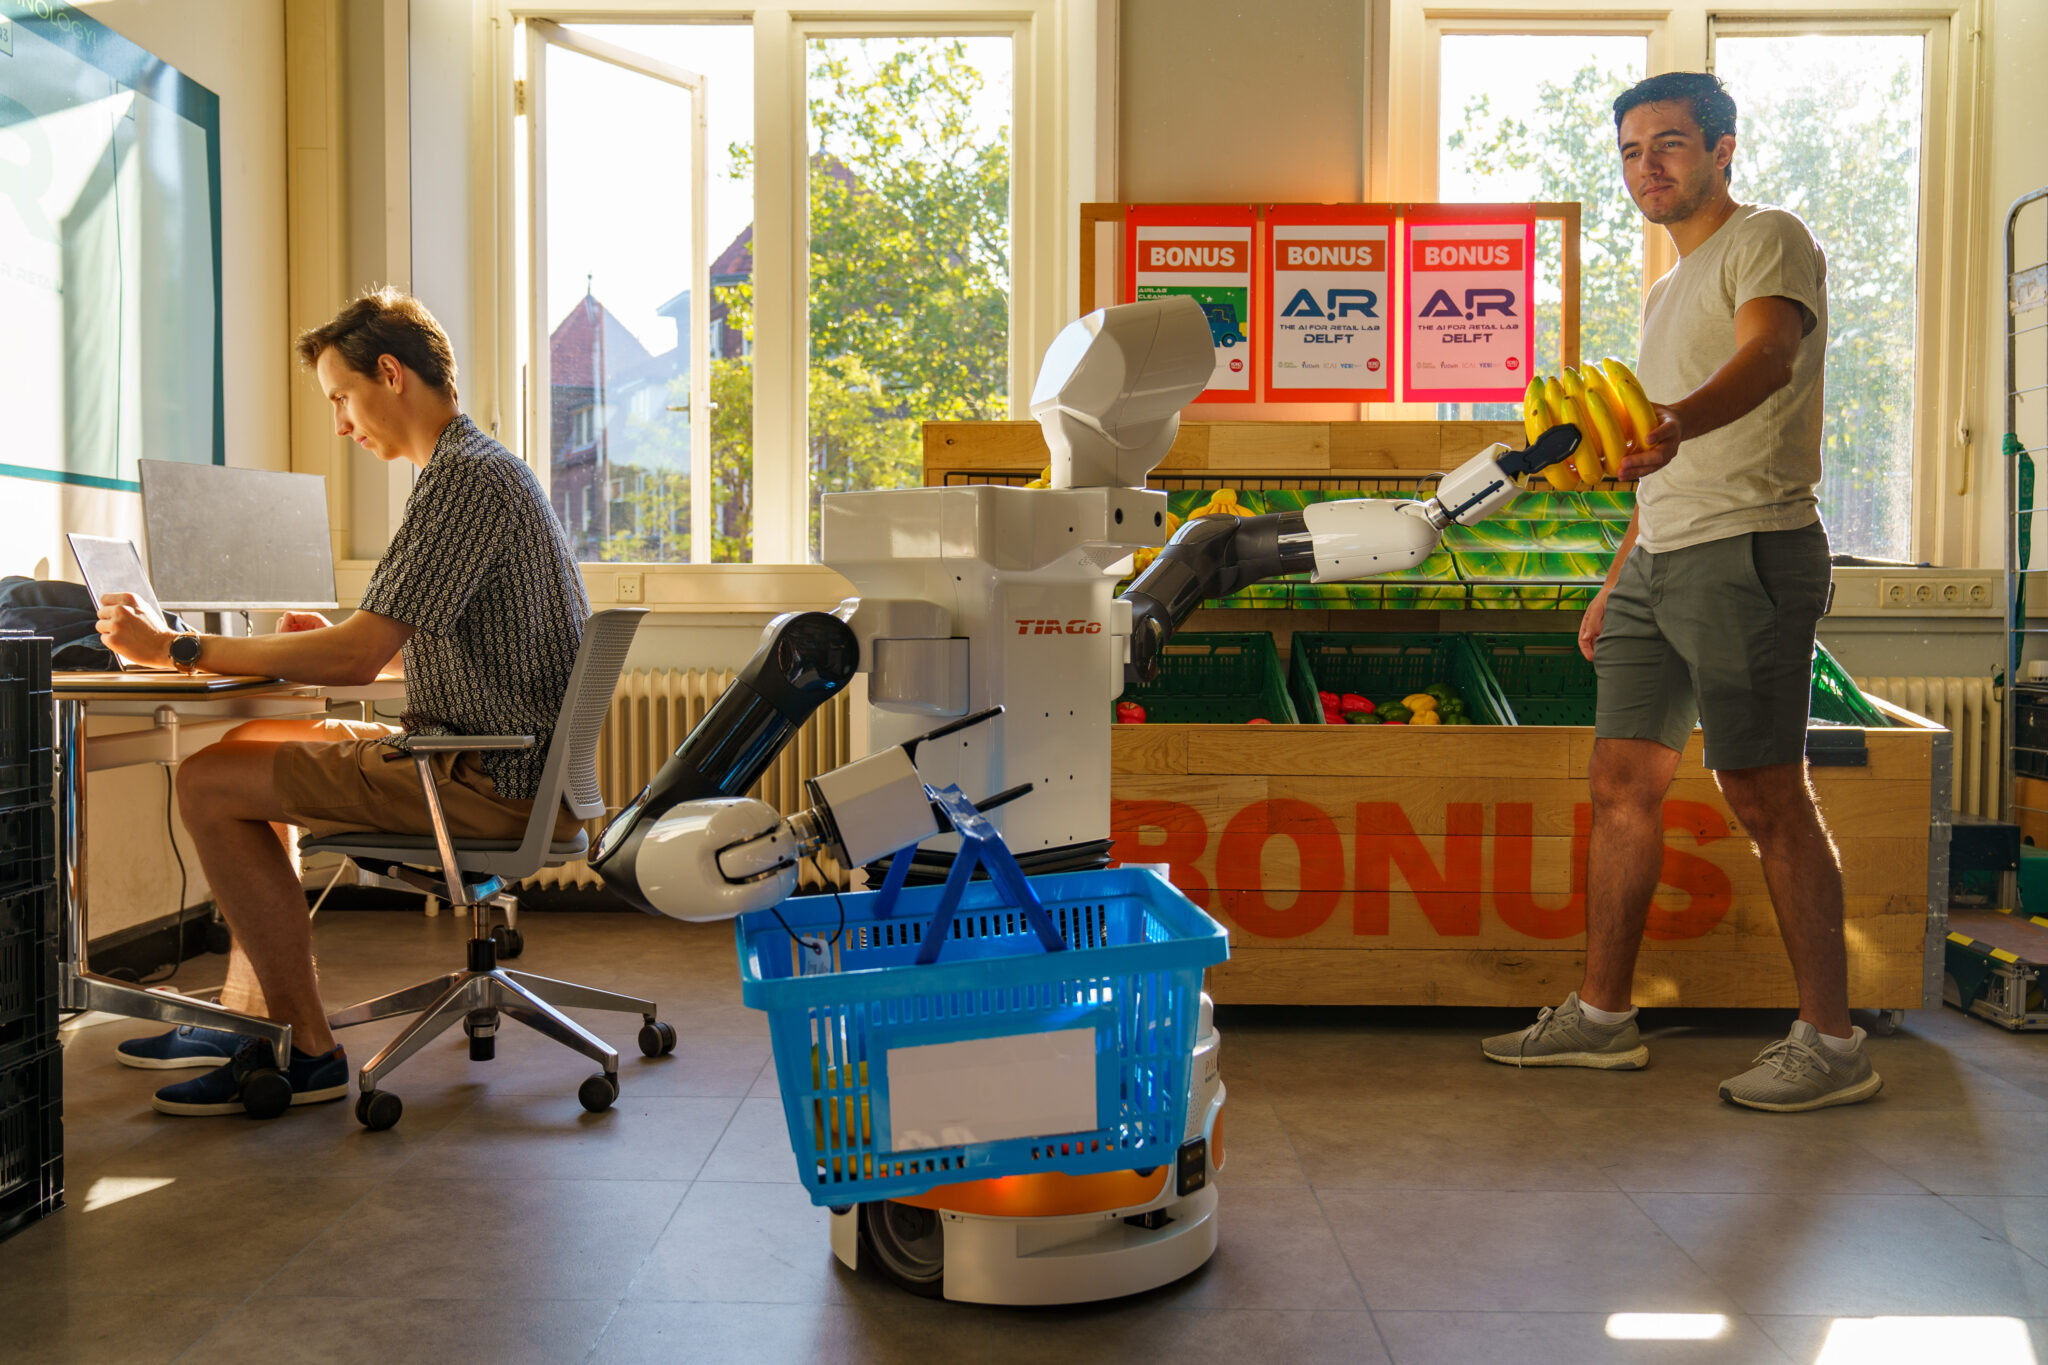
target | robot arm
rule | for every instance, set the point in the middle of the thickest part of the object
(714, 857)
(805, 659)
(1333, 542)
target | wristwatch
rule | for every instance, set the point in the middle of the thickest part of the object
(185, 653)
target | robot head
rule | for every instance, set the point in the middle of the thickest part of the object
(1112, 386)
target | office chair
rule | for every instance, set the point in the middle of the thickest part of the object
(470, 872)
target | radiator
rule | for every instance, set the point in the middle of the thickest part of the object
(652, 710)
(1972, 710)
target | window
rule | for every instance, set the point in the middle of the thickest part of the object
(909, 297)
(615, 175)
(1506, 138)
(843, 239)
(1830, 127)
(1847, 115)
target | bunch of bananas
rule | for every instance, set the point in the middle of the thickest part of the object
(1044, 479)
(1222, 502)
(1608, 406)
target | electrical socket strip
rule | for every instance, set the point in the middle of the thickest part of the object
(1968, 592)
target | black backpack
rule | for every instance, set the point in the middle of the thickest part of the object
(65, 612)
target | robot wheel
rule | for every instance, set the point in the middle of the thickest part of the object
(908, 1244)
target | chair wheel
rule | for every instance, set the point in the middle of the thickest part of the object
(266, 1093)
(483, 1049)
(511, 943)
(597, 1093)
(657, 1038)
(377, 1110)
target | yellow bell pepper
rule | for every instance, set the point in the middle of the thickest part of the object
(1425, 718)
(1421, 701)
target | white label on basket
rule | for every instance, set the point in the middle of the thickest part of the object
(989, 1089)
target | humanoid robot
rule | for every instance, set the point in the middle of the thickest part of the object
(994, 604)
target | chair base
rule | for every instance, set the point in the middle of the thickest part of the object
(476, 996)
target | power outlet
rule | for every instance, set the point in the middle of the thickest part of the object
(629, 587)
(1934, 594)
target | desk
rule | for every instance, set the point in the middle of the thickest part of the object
(189, 714)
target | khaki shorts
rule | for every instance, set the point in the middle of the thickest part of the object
(356, 782)
(1721, 634)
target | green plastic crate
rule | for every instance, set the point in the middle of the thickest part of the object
(1216, 679)
(1384, 666)
(1836, 697)
(1546, 681)
(1542, 677)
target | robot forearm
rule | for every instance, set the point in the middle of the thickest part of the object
(1209, 557)
(804, 660)
(1334, 542)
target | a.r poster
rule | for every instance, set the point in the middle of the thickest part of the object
(1205, 252)
(1329, 304)
(1466, 290)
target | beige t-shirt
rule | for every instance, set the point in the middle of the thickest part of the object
(1760, 472)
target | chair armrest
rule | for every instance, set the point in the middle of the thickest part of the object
(449, 744)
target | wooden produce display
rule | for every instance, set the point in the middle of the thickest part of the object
(1446, 865)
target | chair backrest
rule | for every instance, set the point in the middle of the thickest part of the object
(570, 776)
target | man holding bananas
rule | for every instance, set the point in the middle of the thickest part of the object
(1710, 608)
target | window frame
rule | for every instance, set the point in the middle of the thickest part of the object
(536, 416)
(1042, 152)
(1403, 149)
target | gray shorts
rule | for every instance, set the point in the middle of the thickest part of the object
(1721, 634)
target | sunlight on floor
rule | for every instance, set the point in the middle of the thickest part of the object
(112, 1189)
(1667, 1326)
(1915, 1341)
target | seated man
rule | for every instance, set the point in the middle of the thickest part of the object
(481, 594)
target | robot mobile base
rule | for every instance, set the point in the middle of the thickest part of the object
(997, 1254)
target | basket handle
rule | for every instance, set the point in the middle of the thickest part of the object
(980, 846)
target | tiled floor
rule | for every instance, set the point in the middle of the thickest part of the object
(1389, 1197)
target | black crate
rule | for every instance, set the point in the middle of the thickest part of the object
(31, 1137)
(2030, 728)
(27, 720)
(28, 968)
(28, 848)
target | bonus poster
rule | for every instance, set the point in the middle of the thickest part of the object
(1204, 252)
(1466, 292)
(1329, 304)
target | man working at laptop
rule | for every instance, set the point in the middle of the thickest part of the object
(479, 596)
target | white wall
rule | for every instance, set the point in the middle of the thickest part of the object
(234, 48)
(1224, 101)
(445, 63)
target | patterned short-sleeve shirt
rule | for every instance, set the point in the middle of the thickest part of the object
(482, 573)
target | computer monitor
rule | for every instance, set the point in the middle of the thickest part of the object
(228, 539)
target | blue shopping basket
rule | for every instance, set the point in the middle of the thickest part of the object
(897, 1077)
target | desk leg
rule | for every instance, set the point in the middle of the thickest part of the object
(78, 988)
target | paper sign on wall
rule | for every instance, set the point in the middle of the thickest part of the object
(1329, 304)
(1205, 252)
(1466, 292)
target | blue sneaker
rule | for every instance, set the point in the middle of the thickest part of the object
(219, 1091)
(187, 1045)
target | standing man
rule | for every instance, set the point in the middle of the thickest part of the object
(481, 598)
(1710, 608)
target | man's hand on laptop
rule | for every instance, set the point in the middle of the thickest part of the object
(291, 622)
(132, 632)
